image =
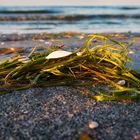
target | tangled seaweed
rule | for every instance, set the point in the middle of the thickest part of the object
(90, 65)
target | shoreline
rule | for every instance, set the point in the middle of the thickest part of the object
(47, 35)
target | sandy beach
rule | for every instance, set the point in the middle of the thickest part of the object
(64, 113)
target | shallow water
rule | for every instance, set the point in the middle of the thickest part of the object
(91, 19)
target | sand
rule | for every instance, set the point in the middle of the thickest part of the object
(63, 113)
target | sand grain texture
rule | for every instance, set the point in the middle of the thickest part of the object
(62, 113)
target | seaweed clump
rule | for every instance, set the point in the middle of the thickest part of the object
(91, 65)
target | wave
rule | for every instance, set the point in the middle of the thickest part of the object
(28, 11)
(97, 16)
(69, 17)
(60, 9)
(111, 7)
(129, 8)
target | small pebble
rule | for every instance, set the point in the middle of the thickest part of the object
(12, 49)
(81, 37)
(2, 43)
(79, 53)
(48, 43)
(92, 124)
(41, 40)
(131, 52)
(24, 59)
(121, 82)
(70, 115)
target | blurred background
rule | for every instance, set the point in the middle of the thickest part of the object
(55, 16)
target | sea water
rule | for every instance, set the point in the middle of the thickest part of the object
(56, 19)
